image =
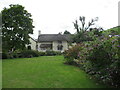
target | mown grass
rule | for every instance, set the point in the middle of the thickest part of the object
(44, 72)
(0, 74)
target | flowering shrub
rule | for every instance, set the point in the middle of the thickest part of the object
(72, 54)
(105, 61)
(99, 58)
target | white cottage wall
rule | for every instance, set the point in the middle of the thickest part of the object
(33, 44)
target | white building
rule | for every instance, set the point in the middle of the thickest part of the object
(53, 42)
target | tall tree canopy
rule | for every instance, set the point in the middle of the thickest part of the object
(16, 27)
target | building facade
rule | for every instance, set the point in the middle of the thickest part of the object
(50, 42)
(53, 42)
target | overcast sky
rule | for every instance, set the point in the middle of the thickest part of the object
(54, 16)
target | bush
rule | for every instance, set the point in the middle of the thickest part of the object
(99, 58)
(4, 55)
(29, 53)
(41, 53)
(52, 53)
(72, 54)
(105, 61)
(58, 53)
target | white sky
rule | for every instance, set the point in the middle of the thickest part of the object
(54, 16)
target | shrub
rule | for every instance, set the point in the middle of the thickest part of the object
(105, 61)
(103, 52)
(29, 53)
(4, 55)
(99, 58)
(41, 53)
(72, 54)
(52, 53)
(58, 53)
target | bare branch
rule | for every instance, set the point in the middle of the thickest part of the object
(76, 25)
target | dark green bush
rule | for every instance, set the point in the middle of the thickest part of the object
(52, 53)
(29, 53)
(49, 53)
(4, 55)
(58, 53)
(9, 55)
(41, 53)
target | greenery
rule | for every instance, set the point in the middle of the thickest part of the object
(84, 31)
(42, 53)
(16, 27)
(52, 53)
(4, 55)
(72, 54)
(83, 26)
(112, 31)
(20, 54)
(99, 58)
(29, 53)
(66, 32)
(44, 72)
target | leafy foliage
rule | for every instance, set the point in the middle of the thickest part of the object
(66, 32)
(112, 31)
(29, 53)
(85, 32)
(72, 54)
(90, 35)
(4, 55)
(99, 58)
(16, 27)
(49, 53)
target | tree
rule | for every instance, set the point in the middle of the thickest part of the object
(84, 27)
(83, 31)
(16, 27)
(0, 32)
(66, 32)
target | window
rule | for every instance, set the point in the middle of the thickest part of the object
(60, 47)
(46, 46)
(29, 47)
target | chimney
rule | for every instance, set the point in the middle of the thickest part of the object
(39, 32)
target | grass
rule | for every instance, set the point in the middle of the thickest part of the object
(0, 74)
(44, 72)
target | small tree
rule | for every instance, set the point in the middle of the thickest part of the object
(16, 27)
(84, 27)
(83, 30)
(66, 32)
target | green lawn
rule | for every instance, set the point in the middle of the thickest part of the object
(44, 72)
(0, 74)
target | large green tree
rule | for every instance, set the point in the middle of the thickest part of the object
(0, 32)
(16, 27)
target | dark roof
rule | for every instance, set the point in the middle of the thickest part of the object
(53, 37)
